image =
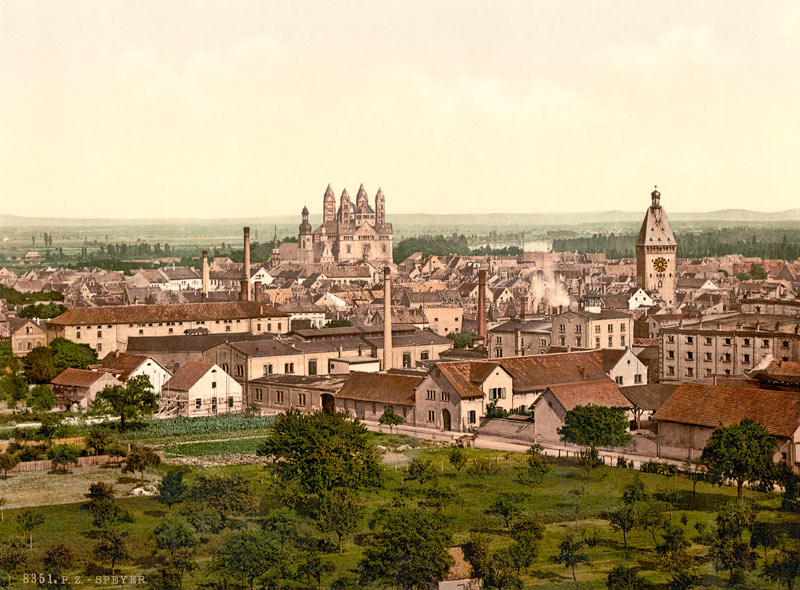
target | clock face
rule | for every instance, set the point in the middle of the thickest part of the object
(660, 264)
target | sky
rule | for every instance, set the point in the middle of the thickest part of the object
(234, 108)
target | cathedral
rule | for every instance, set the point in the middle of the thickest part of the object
(656, 254)
(349, 234)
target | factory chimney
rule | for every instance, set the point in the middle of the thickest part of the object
(387, 318)
(246, 293)
(482, 306)
(523, 308)
(205, 275)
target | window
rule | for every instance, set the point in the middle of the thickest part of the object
(99, 346)
(230, 401)
(690, 356)
(637, 378)
(747, 342)
(431, 416)
(259, 395)
(727, 371)
(670, 370)
(445, 396)
(562, 328)
(498, 352)
(727, 357)
(689, 372)
(227, 328)
(239, 370)
(708, 341)
(301, 399)
(597, 329)
(727, 342)
(622, 327)
(213, 385)
(197, 404)
(747, 358)
(99, 334)
(278, 397)
(78, 334)
(498, 340)
(622, 340)
(472, 417)
(288, 368)
(578, 341)
(497, 393)
(312, 367)
(610, 328)
(406, 360)
(432, 394)
(785, 344)
(671, 339)
(267, 369)
(690, 340)
(578, 328)
(765, 343)
(543, 342)
(424, 355)
(597, 342)
(561, 339)
(140, 332)
(707, 357)
(708, 372)
(618, 379)
(611, 341)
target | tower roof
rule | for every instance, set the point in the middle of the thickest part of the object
(329, 193)
(655, 229)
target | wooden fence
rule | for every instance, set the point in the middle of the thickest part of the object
(47, 465)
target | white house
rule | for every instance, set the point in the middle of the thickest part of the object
(623, 367)
(638, 298)
(200, 389)
(125, 366)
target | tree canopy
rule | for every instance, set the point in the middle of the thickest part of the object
(322, 451)
(409, 551)
(595, 426)
(741, 452)
(134, 400)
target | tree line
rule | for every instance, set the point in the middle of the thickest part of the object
(770, 243)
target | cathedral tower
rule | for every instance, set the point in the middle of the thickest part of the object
(306, 246)
(656, 254)
(380, 208)
(328, 206)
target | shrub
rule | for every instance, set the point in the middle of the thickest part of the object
(483, 466)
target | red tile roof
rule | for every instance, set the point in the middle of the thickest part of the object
(600, 393)
(181, 312)
(122, 363)
(714, 406)
(77, 377)
(189, 374)
(531, 373)
(380, 387)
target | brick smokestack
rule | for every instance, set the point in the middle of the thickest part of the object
(523, 308)
(482, 306)
(387, 318)
(206, 275)
(247, 293)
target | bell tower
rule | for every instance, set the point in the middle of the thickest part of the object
(656, 254)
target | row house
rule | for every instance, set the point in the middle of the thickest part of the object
(107, 329)
(582, 329)
(726, 346)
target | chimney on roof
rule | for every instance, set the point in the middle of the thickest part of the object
(246, 293)
(205, 275)
(482, 306)
(387, 318)
(523, 308)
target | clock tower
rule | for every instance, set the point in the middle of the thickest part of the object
(656, 254)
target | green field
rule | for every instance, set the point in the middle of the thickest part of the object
(567, 500)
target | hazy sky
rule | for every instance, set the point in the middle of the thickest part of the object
(228, 109)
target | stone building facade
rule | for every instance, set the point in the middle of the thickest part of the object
(350, 234)
(656, 254)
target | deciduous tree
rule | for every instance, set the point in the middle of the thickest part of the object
(508, 506)
(421, 470)
(135, 400)
(741, 452)
(27, 521)
(409, 551)
(390, 419)
(339, 512)
(457, 456)
(571, 554)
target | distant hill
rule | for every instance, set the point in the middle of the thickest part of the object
(426, 219)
